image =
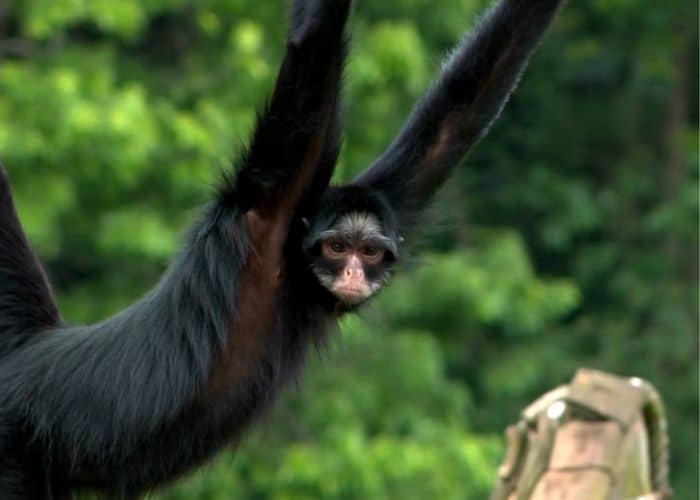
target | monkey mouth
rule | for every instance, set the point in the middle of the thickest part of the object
(352, 294)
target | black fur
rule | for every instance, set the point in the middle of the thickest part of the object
(474, 86)
(103, 395)
(132, 402)
(26, 300)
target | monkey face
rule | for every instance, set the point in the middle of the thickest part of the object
(352, 258)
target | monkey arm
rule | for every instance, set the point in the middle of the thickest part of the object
(475, 84)
(26, 300)
(296, 139)
(138, 399)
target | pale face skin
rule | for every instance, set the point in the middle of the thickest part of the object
(351, 285)
(354, 258)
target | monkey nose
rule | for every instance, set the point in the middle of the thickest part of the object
(354, 269)
(356, 272)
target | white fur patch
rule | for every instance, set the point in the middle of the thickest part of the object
(359, 223)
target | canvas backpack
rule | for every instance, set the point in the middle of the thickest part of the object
(601, 437)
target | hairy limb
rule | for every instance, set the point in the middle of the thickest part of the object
(296, 142)
(26, 300)
(133, 401)
(457, 111)
(288, 165)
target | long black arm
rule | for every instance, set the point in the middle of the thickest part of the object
(140, 398)
(296, 140)
(26, 300)
(461, 105)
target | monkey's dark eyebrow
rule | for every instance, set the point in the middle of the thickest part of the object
(330, 233)
(366, 236)
(376, 239)
(334, 234)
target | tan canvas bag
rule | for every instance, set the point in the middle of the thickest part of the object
(601, 437)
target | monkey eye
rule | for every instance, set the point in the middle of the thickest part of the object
(372, 253)
(334, 248)
(338, 247)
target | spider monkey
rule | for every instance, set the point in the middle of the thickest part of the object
(126, 405)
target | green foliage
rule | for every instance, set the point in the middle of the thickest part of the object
(575, 245)
(491, 284)
(383, 422)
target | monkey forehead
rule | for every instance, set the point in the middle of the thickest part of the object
(358, 227)
(358, 224)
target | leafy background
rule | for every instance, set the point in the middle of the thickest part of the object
(569, 237)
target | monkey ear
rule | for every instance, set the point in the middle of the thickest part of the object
(475, 84)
